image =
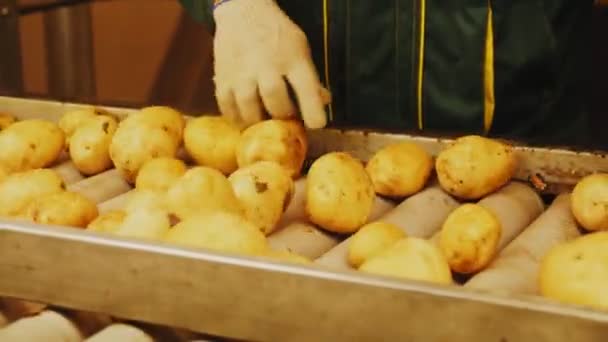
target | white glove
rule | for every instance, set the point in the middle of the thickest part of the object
(257, 49)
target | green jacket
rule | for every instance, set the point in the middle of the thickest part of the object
(512, 68)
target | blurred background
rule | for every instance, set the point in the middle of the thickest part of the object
(140, 52)
(121, 52)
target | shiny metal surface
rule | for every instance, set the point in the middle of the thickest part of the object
(246, 298)
(68, 34)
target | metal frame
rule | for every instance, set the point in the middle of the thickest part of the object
(247, 298)
(70, 62)
(10, 56)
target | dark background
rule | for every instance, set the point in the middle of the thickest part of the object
(140, 52)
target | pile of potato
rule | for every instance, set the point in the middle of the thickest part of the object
(232, 188)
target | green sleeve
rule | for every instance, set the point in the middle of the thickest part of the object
(201, 10)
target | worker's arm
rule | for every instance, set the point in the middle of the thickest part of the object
(259, 52)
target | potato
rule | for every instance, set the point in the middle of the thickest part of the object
(144, 224)
(133, 144)
(211, 141)
(339, 193)
(469, 238)
(475, 166)
(73, 119)
(3, 173)
(108, 222)
(410, 258)
(400, 169)
(221, 231)
(145, 199)
(30, 144)
(63, 208)
(370, 240)
(90, 144)
(18, 190)
(264, 190)
(286, 256)
(165, 118)
(202, 190)
(589, 202)
(159, 174)
(575, 272)
(281, 141)
(6, 120)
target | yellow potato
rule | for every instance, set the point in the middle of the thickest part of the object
(133, 144)
(108, 222)
(221, 231)
(146, 199)
(165, 118)
(18, 190)
(469, 238)
(339, 193)
(372, 239)
(63, 208)
(30, 144)
(73, 119)
(264, 190)
(90, 144)
(410, 258)
(400, 169)
(475, 166)
(159, 174)
(286, 256)
(281, 141)
(202, 190)
(6, 120)
(576, 272)
(211, 141)
(589, 202)
(144, 224)
(3, 173)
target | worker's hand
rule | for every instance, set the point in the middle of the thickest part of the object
(257, 50)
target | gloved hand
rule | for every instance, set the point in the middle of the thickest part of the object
(257, 49)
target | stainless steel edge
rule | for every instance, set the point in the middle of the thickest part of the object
(250, 299)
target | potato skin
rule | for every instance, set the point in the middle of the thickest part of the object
(63, 208)
(30, 144)
(18, 190)
(400, 169)
(410, 258)
(107, 222)
(264, 190)
(134, 144)
(144, 224)
(589, 202)
(575, 272)
(90, 145)
(159, 174)
(6, 120)
(71, 120)
(475, 166)
(220, 231)
(202, 190)
(339, 193)
(281, 141)
(372, 239)
(165, 118)
(469, 238)
(211, 141)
